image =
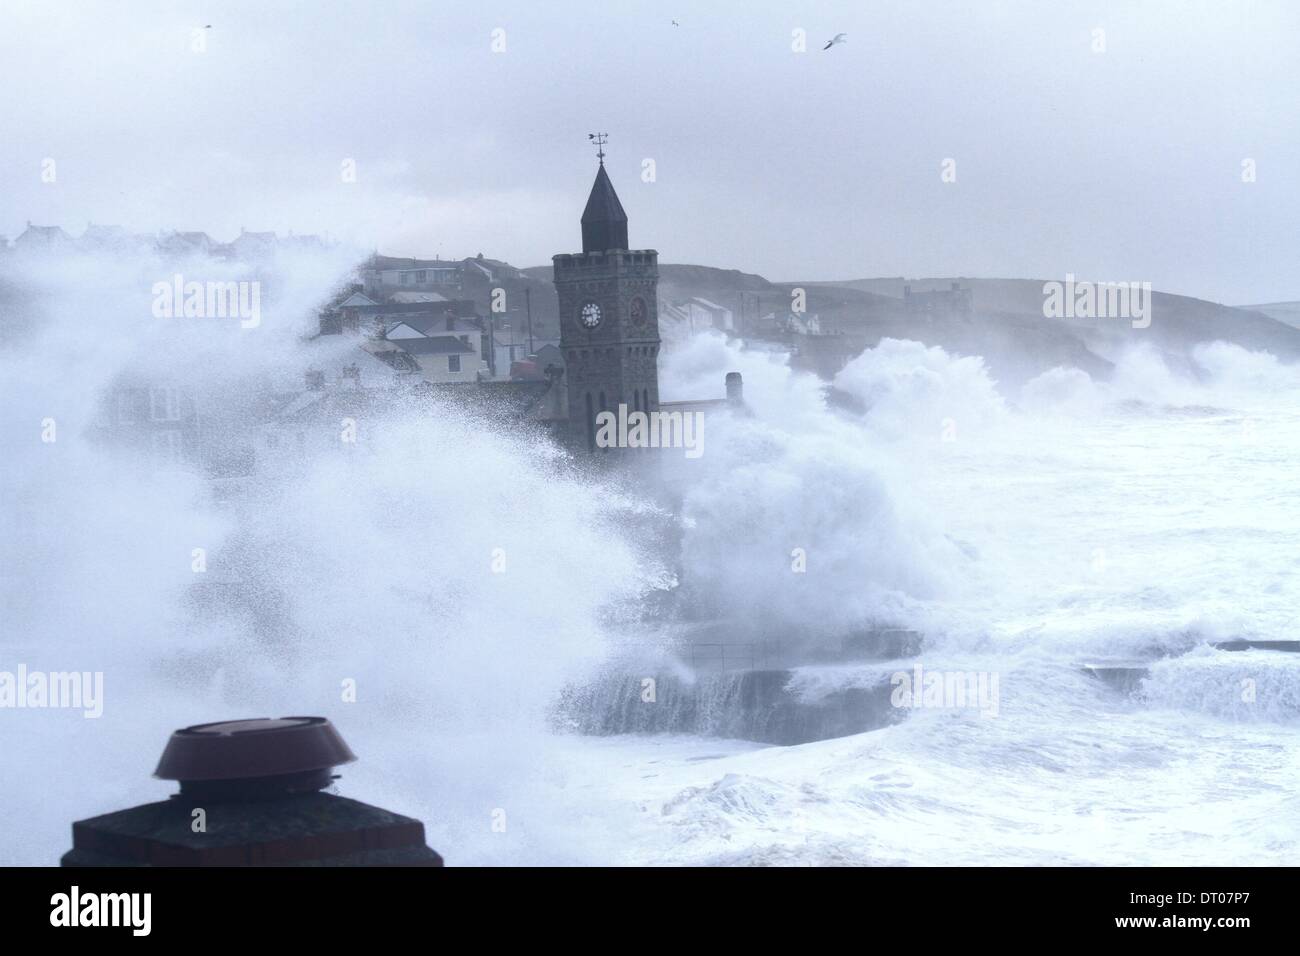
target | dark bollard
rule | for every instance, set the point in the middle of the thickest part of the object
(250, 795)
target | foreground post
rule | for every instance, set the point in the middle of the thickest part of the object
(250, 795)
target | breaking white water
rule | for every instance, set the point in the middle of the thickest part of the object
(1087, 522)
(1025, 535)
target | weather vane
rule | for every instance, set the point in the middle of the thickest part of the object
(600, 139)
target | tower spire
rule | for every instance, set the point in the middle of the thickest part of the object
(604, 223)
(609, 315)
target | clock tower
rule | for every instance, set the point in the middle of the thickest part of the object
(609, 317)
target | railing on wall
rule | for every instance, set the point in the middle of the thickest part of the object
(737, 655)
(880, 643)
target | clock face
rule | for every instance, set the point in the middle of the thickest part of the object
(590, 315)
(638, 311)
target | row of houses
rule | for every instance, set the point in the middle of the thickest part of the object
(414, 332)
(105, 238)
(383, 276)
(429, 337)
(686, 317)
(173, 424)
(419, 335)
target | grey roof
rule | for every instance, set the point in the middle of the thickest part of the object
(386, 263)
(397, 360)
(351, 300)
(191, 239)
(43, 232)
(435, 345)
(408, 297)
(464, 308)
(425, 324)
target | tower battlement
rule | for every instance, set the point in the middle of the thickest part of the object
(632, 262)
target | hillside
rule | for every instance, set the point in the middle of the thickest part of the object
(1287, 313)
(1177, 322)
(1006, 326)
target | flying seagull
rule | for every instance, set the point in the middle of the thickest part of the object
(839, 38)
(676, 24)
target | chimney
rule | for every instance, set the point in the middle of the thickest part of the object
(735, 388)
(451, 321)
(261, 781)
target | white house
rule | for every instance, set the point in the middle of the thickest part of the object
(442, 358)
(385, 274)
(698, 314)
(444, 348)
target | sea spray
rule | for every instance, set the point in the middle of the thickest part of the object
(430, 587)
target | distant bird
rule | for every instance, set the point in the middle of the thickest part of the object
(676, 24)
(208, 27)
(839, 38)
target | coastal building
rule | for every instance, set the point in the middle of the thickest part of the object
(951, 301)
(42, 239)
(387, 274)
(609, 317)
(252, 245)
(698, 314)
(187, 244)
(155, 417)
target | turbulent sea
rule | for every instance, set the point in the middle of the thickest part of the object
(1139, 520)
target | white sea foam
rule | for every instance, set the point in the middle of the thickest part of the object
(371, 564)
(1137, 517)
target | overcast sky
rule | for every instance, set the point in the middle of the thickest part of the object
(1125, 164)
